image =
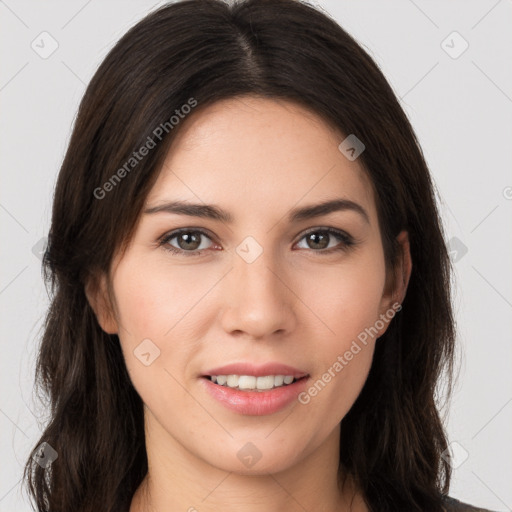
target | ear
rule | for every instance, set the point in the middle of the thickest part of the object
(398, 279)
(96, 291)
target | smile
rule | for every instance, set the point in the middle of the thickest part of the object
(251, 382)
(241, 393)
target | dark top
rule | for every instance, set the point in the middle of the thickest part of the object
(453, 505)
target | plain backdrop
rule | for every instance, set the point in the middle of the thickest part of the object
(450, 65)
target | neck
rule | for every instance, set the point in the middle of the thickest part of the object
(178, 480)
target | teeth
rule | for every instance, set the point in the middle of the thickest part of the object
(250, 382)
(267, 382)
(221, 379)
(278, 380)
(246, 382)
(232, 381)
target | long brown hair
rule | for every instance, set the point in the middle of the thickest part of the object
(207, 50)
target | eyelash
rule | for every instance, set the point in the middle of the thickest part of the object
(346, 240)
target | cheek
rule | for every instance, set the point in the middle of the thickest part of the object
(348, 301)
(347, 298)
(149, 305)
(165, 305)
(154, 300)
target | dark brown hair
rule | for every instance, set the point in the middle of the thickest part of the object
(208, 50)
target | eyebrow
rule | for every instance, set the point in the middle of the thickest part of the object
(211, 211)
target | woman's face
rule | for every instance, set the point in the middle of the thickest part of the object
(255, 290)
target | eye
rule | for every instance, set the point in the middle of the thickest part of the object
(188, 240)
(319, 240)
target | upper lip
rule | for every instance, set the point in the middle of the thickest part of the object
(246, 368)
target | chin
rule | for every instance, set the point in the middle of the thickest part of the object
(258, 457)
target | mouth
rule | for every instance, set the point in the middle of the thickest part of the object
(255, 390)
(245, 376)
(253, 383)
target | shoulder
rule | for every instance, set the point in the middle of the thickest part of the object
(453, 505)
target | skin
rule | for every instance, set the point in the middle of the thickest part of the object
(256, 158)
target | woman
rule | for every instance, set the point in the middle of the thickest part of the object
(251, 290)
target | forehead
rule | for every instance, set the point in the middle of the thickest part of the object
(253, 154)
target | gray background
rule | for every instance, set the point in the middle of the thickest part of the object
(461, 109)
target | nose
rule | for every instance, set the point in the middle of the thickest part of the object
(258, 298)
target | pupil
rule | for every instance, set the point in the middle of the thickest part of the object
(188, 237)
(314, 236)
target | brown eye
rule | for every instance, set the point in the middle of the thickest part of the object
(324, 240)
(188, 241)
(318, 241)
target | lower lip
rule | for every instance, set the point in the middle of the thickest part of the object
(256, 403)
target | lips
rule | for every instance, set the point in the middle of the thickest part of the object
(255, 402)
(256, 370)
